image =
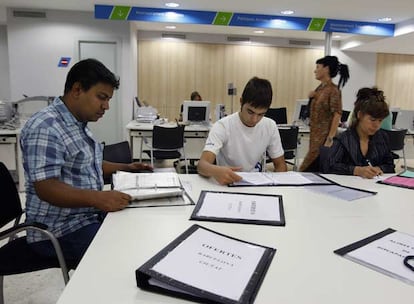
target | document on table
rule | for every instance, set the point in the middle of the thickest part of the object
(289, 178)
(204, 265)
(342, 192)
(247, 208)
(404, 180)
(127, 180)
(384, 252)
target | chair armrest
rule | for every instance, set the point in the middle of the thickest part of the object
(21, 227)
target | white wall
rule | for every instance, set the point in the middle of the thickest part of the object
(4, 65)
(362, 73)
(36, 45)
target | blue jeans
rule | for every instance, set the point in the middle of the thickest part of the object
(73, 245)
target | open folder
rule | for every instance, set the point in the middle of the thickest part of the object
(151, 189)
(205, 266)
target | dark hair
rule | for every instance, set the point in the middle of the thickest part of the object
(335, 67)
(194, 95)
(88, 73)
(370, 101)
(258, 93)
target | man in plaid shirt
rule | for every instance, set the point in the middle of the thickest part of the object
(63, 163)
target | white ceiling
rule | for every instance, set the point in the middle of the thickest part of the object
(401, 12)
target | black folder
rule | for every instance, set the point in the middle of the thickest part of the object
(147, 273)
(218, 218)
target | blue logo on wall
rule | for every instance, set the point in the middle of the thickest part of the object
(64, 62)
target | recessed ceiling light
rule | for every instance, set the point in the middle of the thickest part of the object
(385, 19)
(258, 32)
(172, 4)
(171, 27)
(287, 12)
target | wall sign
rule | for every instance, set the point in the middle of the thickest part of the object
(131, 13)
(64, 62)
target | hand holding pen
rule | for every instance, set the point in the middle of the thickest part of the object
(368, 171)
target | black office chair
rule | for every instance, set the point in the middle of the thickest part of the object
(345, 115)
(277, 114)
(396, 138)
(289, 137)
(117, 153)
(16, 256)
(167, 143)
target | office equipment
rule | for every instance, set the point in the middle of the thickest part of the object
(202, 265)
(277, 114)
(146, 114)
(117, 153)
(220, 111)
(16, 257)
(167, 143)
(195, 137)
(345, 115)
(384, 252)
(301, 114)
(289, 178)
(405, 120)
(196, 112)
(233, 207)
(397, 142)
(289, 138)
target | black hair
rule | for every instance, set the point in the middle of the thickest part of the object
(88, 73)
(335, 67)
(194, 95)
(258, 93)
(370, 101)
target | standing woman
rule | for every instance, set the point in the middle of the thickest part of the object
(325, 109)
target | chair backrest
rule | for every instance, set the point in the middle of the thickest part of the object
(289, 137)
(396, 139)
(344, 116)
(118, 153)
(168, 138)
(10, 207)
(277, 114)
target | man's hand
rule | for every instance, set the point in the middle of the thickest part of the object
(226, 175)
(137, 166)
(110, 201)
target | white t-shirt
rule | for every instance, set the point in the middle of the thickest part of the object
(237, 145)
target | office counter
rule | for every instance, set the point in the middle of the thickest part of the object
(195, 137)
(304, 269)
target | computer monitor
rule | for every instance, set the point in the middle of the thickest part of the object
(301, 113)
(196, 112)
(277, 114)
(405, 120)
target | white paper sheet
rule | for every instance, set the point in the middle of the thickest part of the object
(340, 192)
(240, 206)
(387, 254)
(213, 263)
(272, 178)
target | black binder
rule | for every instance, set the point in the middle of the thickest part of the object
(169, 286)
(280, 222)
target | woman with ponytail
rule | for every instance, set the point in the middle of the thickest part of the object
(325, 109)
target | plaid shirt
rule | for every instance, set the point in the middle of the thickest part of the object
(55, 145)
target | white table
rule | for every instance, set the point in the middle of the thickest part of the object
(304, 269)
(195, 137)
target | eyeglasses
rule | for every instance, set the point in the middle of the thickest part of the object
(407, 262)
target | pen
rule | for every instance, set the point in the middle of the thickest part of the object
(369, 164)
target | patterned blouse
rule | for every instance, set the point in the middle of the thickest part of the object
(326, 102)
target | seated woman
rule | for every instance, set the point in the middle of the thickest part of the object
(363, 149)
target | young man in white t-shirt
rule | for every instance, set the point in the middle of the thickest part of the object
(238, 142)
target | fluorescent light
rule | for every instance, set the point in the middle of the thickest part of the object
(287, 12)
(258, 32)
(172, 4)
(336, 36)
(171, 27)
(385, 19)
